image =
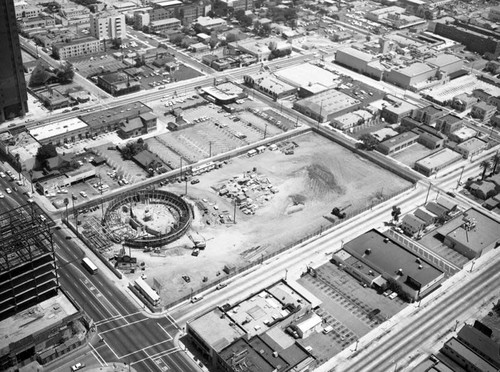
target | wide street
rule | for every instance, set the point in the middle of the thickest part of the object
(128, 334)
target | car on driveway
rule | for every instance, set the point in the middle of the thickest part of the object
(8, 190)
(2, 174)
(2, 195)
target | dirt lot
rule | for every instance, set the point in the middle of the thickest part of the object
(319, 176)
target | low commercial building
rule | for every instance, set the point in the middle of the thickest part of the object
(465, 357)
(352, 119)
(308, 78)
(118, 83)
(207, 25)
(250, 333)
(397, 143)
(462, 134)
(326, 105)
(478, 339)
(435, 162)
(360, 61)
(375, 259)
(77, 47)
(471, 147)
(445, 62)
(463, 102)
(269, 85)
(409, 76)
(109, 120)
(164, 26)
(223, 93)
(471, 234)
(449, 124)
(138, 126)
(395, 110)
(428, 114)
(60, 132)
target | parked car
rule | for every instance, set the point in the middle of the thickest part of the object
(8, 190)
(77, 366)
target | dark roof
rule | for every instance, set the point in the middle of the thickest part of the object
(481, 344)
(115, 115)
(387, 256)
(146, 157)
(450, 119)
(431, 110)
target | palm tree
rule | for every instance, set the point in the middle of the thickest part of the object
(496, 160)
(485, 164)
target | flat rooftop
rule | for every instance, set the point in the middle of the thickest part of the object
(306, 74)
(484, 233)
(416, 69)
(386, 256)
(328, 102)
(256, 313)
(55, 129)
(116, 114)
(50, 312)
(216, 329)
(441, 157)
(443, 59)
(357, 54)
(464, 84)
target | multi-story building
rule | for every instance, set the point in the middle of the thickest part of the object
(108, 25)
(13, 96)
(483, 111)
(40, 21)
(37, 320)
(70, 11)
(25, 11)
(476, 39)
(77, 47)
(164, 26)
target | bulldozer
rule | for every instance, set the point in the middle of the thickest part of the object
(339, 212)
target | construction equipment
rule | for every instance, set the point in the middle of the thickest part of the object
(339, 212)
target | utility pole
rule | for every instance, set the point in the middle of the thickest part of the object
(234, 212)
(210, 149)
(428, 191)
(265, 132)
(460, 178)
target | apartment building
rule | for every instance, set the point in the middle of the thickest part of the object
(77, 47)
(107, 25)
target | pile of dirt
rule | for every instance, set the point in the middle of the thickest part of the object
(321, 181)
(296, 203)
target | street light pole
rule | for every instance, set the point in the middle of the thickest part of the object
(286, 274)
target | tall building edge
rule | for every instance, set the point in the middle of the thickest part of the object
(13, 94)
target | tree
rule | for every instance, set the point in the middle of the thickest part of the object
(396, 212)
(485, 165)
(368, 142)
(65, 74)
(131, 149)
(45, 152)
(40, 76)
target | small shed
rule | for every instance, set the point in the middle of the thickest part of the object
(309, 326)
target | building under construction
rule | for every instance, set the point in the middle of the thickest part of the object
(38, 322)
(28, 273)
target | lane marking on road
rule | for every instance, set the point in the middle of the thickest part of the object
(145, 348)
(110, 348)
(125, 325)
(164, 330)
(158, 355)
(98, 356)
(172, 320)
(111, 319)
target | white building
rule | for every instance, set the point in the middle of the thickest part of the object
(106, 26)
